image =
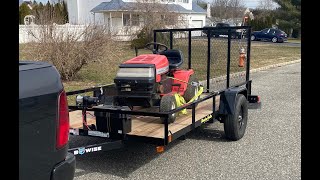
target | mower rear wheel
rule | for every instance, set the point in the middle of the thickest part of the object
(167, 103)
(191, 91)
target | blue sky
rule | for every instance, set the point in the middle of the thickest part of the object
(248, 3)
(251, 3)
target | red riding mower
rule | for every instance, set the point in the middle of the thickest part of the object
(150, 80)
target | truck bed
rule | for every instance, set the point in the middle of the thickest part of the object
(148, 126)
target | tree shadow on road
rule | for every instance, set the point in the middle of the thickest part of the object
(122, 162)
(209, 133)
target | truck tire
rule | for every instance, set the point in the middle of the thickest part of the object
(235, 125)
(167, 103)
(191, 91)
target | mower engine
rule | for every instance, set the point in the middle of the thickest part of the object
(138, 80)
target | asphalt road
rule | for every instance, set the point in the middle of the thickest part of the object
(270, 149)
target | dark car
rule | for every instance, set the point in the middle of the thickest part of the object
(43, 124)
(269, 34)
(222, 30)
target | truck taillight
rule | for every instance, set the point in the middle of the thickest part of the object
(63, 121)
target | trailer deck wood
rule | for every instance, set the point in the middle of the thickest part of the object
(148, 126)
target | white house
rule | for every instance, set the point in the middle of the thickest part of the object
(116, 14)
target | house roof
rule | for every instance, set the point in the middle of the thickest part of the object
(118, 5)
(197, 8)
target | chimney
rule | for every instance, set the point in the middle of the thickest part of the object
(208, 10)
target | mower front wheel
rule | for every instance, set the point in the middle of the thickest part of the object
(167, 103)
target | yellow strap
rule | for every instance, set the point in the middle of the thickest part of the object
(197, 95)
(181, 101)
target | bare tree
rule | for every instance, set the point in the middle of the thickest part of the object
(155, 15)
(266, 4)
(226, 9)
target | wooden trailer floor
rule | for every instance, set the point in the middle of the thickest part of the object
(151, 126)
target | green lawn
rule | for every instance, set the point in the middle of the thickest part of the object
(261, 55)
(294, 40)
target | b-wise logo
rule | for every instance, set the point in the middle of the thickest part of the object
(84, 150)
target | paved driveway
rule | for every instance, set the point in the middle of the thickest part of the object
(270, 149)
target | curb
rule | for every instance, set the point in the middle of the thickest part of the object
(275, 65)
(243, 73)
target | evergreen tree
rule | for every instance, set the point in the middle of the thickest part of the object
(57, 11)
(289, 16)
(64, 12)
(38, 13)
(23, 11)
(48, 12)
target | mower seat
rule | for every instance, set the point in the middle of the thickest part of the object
(174, 56)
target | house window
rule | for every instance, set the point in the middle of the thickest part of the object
(185, 1)
(135, 20)
(126, 19)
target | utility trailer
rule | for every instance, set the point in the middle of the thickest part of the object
(227, 104)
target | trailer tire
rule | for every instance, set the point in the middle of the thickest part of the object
(235, 125)
(167, 103)
(191, 91)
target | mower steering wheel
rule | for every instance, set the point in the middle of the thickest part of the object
(156, 47)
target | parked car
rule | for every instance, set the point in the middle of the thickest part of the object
(222, 29)
(43, 124)
(269, 34)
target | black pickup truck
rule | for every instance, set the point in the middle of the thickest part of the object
(43, 124)
(222, 29)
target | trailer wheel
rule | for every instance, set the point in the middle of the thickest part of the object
(167, 103)
(191, 91)
(235, 125)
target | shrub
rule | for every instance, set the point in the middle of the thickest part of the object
(70, 50)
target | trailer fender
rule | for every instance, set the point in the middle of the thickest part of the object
(228, 99)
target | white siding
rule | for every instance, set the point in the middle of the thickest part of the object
(72, 6)
(80, 11)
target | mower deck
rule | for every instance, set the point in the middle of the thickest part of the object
(147, 126)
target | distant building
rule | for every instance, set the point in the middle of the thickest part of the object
(115, 13)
